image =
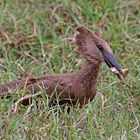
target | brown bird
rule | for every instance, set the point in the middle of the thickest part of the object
(78, 86)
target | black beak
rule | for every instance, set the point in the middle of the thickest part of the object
(112, 62)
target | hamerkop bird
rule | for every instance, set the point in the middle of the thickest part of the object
(78, 86)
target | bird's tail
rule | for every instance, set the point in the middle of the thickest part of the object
(7, 88)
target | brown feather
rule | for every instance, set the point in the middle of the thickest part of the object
(74, 87)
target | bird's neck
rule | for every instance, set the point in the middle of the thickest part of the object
(90, 72)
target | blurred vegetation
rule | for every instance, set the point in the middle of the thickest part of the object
(36, 38)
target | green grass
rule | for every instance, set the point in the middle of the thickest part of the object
(115, 111)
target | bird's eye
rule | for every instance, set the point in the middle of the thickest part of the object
(100, 47)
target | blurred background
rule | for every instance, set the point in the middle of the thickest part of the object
(36, 39)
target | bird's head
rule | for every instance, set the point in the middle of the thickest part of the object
(104, 50)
